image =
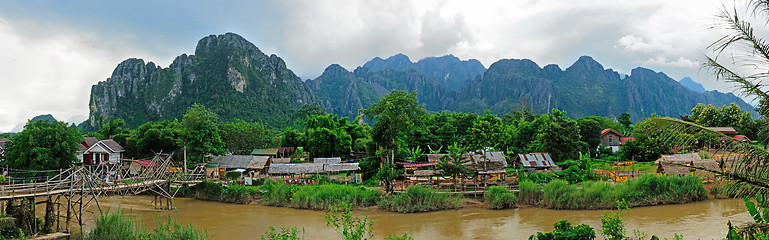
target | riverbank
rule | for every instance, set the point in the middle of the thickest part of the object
(647, 190)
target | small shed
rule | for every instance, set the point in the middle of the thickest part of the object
(435, 157)
(137, 165)
(540, 160)
(489, 167)
(270, 152)
(613, 139)
(331, 160)
(295, 168)
(103, 152)
(675, 164)
(251, 163)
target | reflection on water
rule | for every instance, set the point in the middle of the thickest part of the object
(705, 220)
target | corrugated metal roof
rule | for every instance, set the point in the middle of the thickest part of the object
(536, 160)
(327, 160)
(265, 152)
(241, 161)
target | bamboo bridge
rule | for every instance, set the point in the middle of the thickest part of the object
(73, 192)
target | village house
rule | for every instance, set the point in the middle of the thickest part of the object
(488, 167)
(742, 138)
(613, 139)
(101, 152)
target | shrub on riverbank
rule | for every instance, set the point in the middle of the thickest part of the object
(529, 193)
(646, 190)
(420, 199)
(317, 197)
(117, 226)
(497, 197)
(232, 193)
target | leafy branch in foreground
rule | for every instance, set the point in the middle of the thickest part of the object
(741, 165)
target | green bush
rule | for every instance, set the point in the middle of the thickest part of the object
(420, 199)
(564, 231)
(236, 193)
(209, 190)
(232, 175)
(277, 193)
(497, 197)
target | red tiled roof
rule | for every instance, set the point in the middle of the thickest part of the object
(146, 162)
(622, 140)
(608, 130)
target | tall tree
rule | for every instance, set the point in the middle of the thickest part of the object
(43, 145)
(151, 138)
(200, 134)
(241, 137)
(394, 115)
(590, 131)
(560, 137)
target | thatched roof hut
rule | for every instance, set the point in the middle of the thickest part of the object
(280, 160)
(341, 167)
(494, 162)
(676, 164)
(241, 161)
(295, 168)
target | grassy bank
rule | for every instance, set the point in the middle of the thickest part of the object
(646, 190)
(497, 197)
(317, 197)
(118, 226)
(420, 199)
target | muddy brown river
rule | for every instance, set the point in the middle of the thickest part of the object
(703, 220)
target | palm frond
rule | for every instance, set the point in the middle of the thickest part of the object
(743, 167)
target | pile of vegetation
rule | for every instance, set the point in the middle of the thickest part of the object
(118, 226)
(230, 193)
(317, 197)
(420, 199)
(646, 190)
(497, 197)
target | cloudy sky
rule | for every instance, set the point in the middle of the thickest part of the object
(54, 51)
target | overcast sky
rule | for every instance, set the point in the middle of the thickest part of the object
(52, 52)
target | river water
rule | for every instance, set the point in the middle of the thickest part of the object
(703, 220)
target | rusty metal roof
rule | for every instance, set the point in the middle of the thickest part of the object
(536, 160)
(265, 152)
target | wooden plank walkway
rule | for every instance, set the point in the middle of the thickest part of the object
(109, 188)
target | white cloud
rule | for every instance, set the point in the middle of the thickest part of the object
(49, 69)
(681, 62)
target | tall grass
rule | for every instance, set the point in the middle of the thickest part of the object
(647, 190)
(317, 197)
(497, 197)
(420, 199)
(529, 193)
(117, 226)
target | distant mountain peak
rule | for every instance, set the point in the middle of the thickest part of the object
(587, 63)
(335, 69)
(692, 85)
